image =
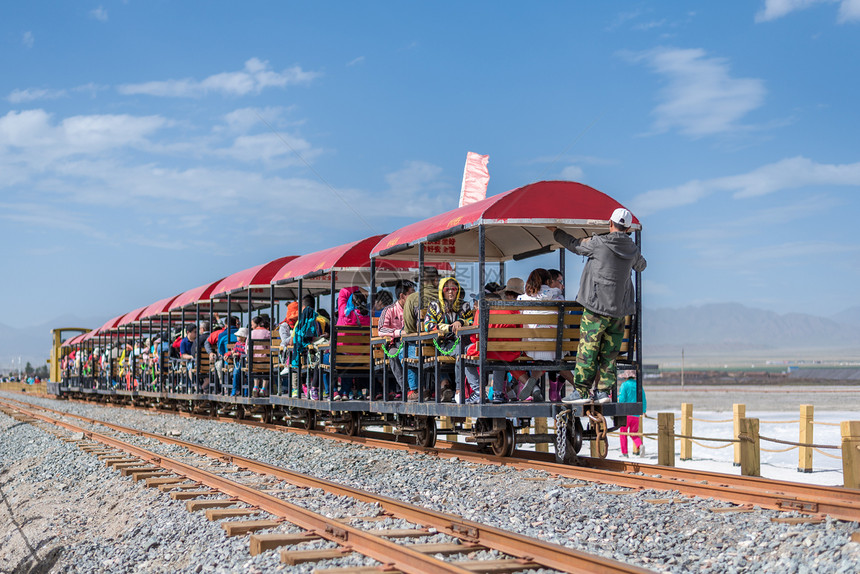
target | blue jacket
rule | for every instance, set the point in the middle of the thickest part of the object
(223, 339)
(627, 393)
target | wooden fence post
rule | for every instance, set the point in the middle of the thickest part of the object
(740, 411)
(750, 462)
(851, 453)
(804, 457)
(666, 439)
(687, 430)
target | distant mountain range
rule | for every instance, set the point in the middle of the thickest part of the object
(719, 328)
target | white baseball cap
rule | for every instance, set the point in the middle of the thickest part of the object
(622, 217)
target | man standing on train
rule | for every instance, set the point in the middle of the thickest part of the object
(606, 293)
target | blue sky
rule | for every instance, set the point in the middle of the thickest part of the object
(150, 147)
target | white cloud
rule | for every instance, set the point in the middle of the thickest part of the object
(254, 78)
(78, 134)
(99, 14)
(358, 60)
(572, 173)
(791, 173)
(700, 97)
(27, 39)
(32, 94)
(849, 10)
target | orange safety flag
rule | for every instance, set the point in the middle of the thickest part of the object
(475, 178)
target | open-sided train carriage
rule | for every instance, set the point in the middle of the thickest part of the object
(509, 226)
(514, 226)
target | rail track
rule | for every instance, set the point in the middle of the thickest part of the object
(812, 500)
(192, 483)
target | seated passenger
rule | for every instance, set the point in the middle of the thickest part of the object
(186, 353)
(473, 352)
(260, 332)
(382, 300)
(237, 353)
(537, 289)
(411, 326)
(309, 327)
(447, 314)
(391, 327)
(351, 312)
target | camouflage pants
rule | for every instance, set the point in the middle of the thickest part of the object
(600, 339)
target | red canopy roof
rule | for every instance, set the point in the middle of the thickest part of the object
(515, 223)
(192, 296)
(76, 339)
(157, 308)
(260, 275)
(109, 325)
(351, 264)
(131, 317)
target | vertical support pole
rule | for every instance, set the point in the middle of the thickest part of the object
(851, 453)
(420, 344)
(483, 376)
(371, 296)
(750, 462)
(687, 430)
(637, 326)
(666, 439)
(804, 461)
(739, 411)
(249, 351)
(561, 267)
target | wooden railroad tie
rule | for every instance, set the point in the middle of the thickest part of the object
(445, 548)
(130, 470)
(189, 494)
(195, 505)
(262, 542)
(242, 527)
(213, 514)
(732, 509)
(293, 557)
(502, 566)
(184, 486)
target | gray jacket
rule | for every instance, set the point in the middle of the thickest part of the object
(606, 287)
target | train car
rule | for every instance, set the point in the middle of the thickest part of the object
(299, 378)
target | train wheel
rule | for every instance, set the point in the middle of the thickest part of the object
(240, 412)
(426, 436)
(310, 420)
(576, 436)
(353, 424)
(266, 415)
(505, 440)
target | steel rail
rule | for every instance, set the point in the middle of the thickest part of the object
(837, 502)
(545, 553)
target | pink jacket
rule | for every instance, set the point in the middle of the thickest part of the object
(391, 321)
(354, 319)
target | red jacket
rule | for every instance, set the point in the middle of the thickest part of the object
(474, 350)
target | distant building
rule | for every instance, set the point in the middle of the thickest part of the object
(651, 371)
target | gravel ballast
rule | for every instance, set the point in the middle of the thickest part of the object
(67, 512)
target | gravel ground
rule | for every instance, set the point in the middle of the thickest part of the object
(73, 517)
